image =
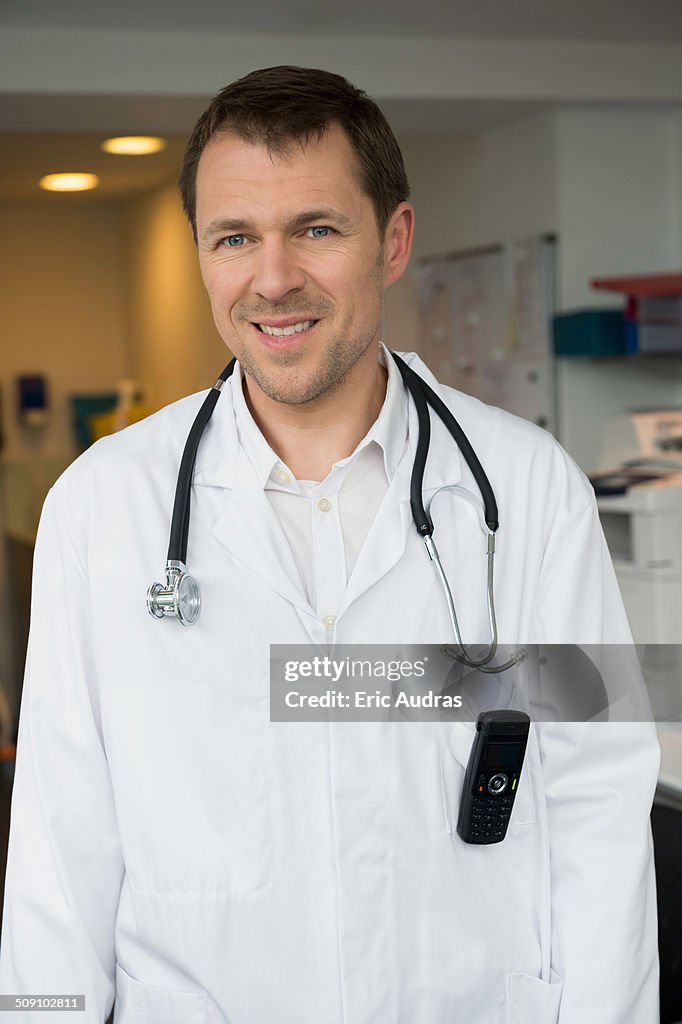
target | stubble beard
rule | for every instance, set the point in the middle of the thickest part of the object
(340, 356)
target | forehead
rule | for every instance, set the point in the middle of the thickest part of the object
(235, 173)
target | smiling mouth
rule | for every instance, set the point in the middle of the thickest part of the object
(283, 332)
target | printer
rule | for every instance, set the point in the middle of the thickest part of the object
(638, 485)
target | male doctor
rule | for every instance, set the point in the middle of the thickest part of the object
(172, 848)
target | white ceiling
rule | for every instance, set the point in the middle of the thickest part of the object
(656, 21)
(40, 133)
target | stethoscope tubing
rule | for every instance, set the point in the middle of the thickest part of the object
(422, 394)
(179, 531)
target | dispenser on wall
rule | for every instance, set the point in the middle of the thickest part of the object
(32, 401)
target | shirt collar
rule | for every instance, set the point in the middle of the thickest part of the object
(389, 430)
(258, 451)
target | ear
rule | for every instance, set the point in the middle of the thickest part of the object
(398, 242)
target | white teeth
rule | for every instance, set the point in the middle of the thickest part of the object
(282, 332)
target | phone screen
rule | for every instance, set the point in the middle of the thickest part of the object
(502, 755)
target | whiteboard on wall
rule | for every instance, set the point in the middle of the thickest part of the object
(485, 315)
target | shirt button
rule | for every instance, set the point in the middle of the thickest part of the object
(324, 504)
(282, 475)
(329, 621)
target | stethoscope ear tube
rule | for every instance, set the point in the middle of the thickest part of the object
(177, 546)
(423, 396)
(422, 519)
(470, 457)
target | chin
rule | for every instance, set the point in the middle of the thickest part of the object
(293, 395)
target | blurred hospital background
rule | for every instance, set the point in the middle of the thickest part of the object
(543, 141)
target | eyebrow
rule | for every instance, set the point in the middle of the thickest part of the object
(237, 224)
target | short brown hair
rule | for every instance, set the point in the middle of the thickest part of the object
(281, 105)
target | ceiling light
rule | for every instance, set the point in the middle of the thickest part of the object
(134, 145)
(71, 182)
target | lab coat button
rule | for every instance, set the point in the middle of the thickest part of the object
(324, 504)
(329, 621)
(282, 475)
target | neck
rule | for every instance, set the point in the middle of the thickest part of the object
(310, 438)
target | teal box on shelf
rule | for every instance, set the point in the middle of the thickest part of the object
(589, 332)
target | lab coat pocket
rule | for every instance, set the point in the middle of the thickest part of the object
(457, 741)
(138, 1003)
(533, 1001)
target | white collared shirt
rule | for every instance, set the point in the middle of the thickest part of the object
(326, 522)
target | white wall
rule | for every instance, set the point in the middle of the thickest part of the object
(479, 189)
(618, 191)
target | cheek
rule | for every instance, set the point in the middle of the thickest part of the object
(219, 288)
(367, 295)
(221, 303)
(361, 288)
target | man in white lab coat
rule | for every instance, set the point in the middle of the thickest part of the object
(172, 847)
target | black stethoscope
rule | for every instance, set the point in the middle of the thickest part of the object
(180, 596)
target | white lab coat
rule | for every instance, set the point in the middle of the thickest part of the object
(172, 846)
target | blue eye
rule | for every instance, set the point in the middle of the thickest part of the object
(320, 232)
(234, 240)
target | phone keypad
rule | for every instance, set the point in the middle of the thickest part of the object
(490, 813)
(489, 817)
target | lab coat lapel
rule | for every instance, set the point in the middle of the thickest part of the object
(383, 545)
(249, 529)
(387, 537)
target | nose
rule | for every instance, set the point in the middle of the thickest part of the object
(277, 271)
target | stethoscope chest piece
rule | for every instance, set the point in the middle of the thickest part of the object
(180, 597)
